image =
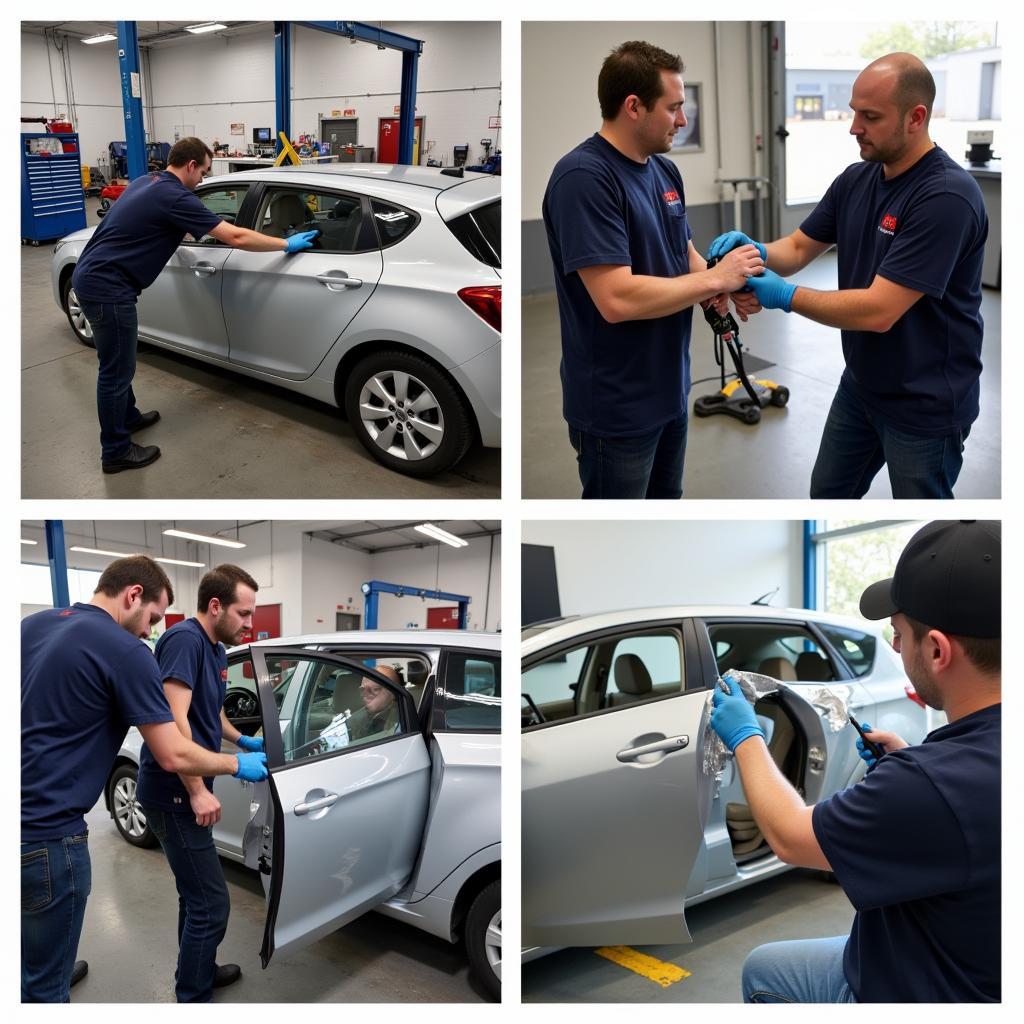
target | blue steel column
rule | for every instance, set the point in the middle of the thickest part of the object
(58, 559)
(282, 82)
(407, 106)
(810, 565)
(371, 610)
(464, 614)
(134, 126)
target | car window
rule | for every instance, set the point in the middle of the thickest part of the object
(479, 231)
(334, 708)
(338, 217)
(225, 203)
(784, 651)
(412, 670)
(471, 699)
(393, 223)
(607, 674)
(856, 648)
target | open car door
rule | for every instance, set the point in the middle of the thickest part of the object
(337, 827)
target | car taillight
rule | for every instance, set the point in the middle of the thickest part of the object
(485, 302)
(914, 696)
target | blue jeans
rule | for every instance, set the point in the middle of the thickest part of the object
(646, 466)
(56, 877)
(203, 902)
(856, 444)
(800, 971)
(115, 329)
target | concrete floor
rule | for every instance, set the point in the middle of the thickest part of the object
(130, 942)
(222, 435)
(726, 458)
(797, 905)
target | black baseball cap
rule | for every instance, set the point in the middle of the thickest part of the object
(948, 577)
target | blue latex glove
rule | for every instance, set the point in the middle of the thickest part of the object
(862, 749)
(772, 291)
(733, 240)
(251, 767)
(250, 743)
(301, 240)
(733, 717)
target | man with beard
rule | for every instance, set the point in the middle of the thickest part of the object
(916, 843)
(182, 810)
(910, 228)
(627, 276)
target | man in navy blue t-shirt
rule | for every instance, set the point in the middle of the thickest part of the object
(916, 843)
(125, 254)
(86, 676)
(182, 809)
(627, 276)
(910, 228)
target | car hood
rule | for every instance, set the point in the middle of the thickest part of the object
(82, 235)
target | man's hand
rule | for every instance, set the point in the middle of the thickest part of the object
(737, 268)
(746, 304)
(733, 717)
(250, 743)
(205, 806)
(301, 240)
(772, 291)
(251, 767)
(730, 240)
(720, 303)
(888, 741)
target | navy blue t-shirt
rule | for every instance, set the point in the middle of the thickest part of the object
(925, 229)
(84, 681)
(186, 653)
(137, 237)
(600, 207)
(916, 847)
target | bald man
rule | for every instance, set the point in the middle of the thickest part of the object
(378, 717)
(910, 228)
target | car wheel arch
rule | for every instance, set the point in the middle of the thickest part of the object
(107, 788)
(471, 888)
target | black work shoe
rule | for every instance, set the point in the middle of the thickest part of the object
(81, 969)
(147, 419)
(136, 457)
(226, 974)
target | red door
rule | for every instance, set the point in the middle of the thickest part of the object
(387, 140)
(443, 618)
(266, 623)
(172, 619)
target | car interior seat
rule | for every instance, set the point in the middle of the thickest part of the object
(416, 680)
(778, 668)
(811, 667)
(632, 679)
(288, 213)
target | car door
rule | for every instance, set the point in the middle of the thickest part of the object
(284, 312)
(337, 827)
(182, 307)
(614, 793)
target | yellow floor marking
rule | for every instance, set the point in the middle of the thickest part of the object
(658, 971)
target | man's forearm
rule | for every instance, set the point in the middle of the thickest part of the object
(254, 241)
(193, 760)
(851, 309)
(775, 804)
(647, 298)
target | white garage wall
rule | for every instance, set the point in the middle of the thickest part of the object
(610, 565)
(331, 576)
(207, 83)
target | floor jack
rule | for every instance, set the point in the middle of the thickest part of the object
(754, 395)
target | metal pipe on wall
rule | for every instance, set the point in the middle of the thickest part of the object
(718, 127)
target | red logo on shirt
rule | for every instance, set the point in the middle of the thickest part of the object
(223, 675)
(67, 611)
(888, 224)
(671, 197)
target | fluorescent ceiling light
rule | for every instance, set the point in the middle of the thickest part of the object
(442, 535)
(203, 539)
(207, 26)
(178, 561)
(104, 37)
(23, 541)
(100, 551)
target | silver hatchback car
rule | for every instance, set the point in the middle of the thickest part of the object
(624, 825)
(394, 315)
(398, 811)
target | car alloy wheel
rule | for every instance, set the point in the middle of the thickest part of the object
(402, 415)
(492, 944)
(483, 938)
(128, 814)
(76, 317)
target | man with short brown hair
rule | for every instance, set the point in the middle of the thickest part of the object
(125, 255)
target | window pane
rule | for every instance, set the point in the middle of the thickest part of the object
(241, 703)
(855, 648)
(338, 217)
(783, 652)
(551, 682)
(472, 697)
(225, 203)
(639, 660)
(480, 233)
(393, 224)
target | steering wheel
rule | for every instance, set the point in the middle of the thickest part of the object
(534, 717)
(242, 709)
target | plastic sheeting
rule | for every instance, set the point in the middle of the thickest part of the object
(832, 701)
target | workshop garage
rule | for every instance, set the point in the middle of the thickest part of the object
(300, 224)
(846, 351)
(758, 758)
(168, 667)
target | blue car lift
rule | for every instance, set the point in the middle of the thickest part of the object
(131, 98)
(58, 559)
(374, 588)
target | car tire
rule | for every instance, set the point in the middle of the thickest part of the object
(128, 815)
(423, 434)
(73, 311)
(483, 938)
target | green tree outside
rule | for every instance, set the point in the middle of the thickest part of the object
(925, 39)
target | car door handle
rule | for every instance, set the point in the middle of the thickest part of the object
(203, 269)
(335, 283)
(666, 746)
(316, 805)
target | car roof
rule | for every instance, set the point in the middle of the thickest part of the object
(417, 638)
(421, 177)
(566, 629)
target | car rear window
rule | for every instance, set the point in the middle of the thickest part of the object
(393, 223)
(479, 231)
(857, 649)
